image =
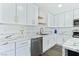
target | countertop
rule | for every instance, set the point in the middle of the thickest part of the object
(72, 44)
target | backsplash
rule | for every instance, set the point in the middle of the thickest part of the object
(31, 30)
(16, 29)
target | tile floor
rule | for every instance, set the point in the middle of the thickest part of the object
(54, 51)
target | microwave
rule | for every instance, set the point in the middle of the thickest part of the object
(76, 22)
(75, 34)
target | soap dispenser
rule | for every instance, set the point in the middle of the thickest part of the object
(55, 31)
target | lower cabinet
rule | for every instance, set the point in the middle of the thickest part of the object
(48, 42)
(59, 39)
(23, 48)
(8, 53)
(45, 44)
(51, 41)
(20, 48)
(23, 51)
(7, 49)
(63, 35)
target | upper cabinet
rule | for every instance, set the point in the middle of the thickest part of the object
(22, 14)
(7, 12)
(32, 14)
(76, 13)
(19, 13)
(50, 20)
(27, 14)
(69, 18)
(64, 19)
(59, 20)
(56, 20)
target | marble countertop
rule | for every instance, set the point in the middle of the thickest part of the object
(72, 44)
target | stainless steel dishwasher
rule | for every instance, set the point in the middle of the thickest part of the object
(36, 46)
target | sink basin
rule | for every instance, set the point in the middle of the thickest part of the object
(43, 34)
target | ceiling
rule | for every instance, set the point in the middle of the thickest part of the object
(53, 7)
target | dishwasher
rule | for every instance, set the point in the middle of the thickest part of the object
(36, 46)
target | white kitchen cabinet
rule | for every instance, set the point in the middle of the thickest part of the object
(63, 35)
(59, 36)
(51, 41)
(32, 14)
(22, 14)
(61, 20)
(45, 44)
(7, 12)
(23, 51)
(23, 48)
(50, 20)
(76, 13)
(56, 21)
(69, 18)
(48, 42)
(8, 53)
(7, 49)
(59, 39)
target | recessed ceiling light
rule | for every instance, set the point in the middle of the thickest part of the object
(60, 5)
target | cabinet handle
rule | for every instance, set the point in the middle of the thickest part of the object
(24, 43)
(5, 43)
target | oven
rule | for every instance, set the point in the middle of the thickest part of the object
(76, 22)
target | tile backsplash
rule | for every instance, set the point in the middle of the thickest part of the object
(31, 30)
(10, 29)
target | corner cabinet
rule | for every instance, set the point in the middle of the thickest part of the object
(50, 21)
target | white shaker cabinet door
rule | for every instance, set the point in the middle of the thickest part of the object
(61, 20)
(7, 49)
(7, 12)
(56, 21)
(8, 53)
(23, 51)
(23, 48)
(32, 14)
(76, 13)
(45, 44)
(69, 18)
(21, 17)
(51, 41)
(50, 20)
(60, 39)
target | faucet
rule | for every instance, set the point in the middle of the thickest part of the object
(41, 30)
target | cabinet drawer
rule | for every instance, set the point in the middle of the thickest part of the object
(7, 46)
(23, 51)
(8, 53)
(22, 43)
